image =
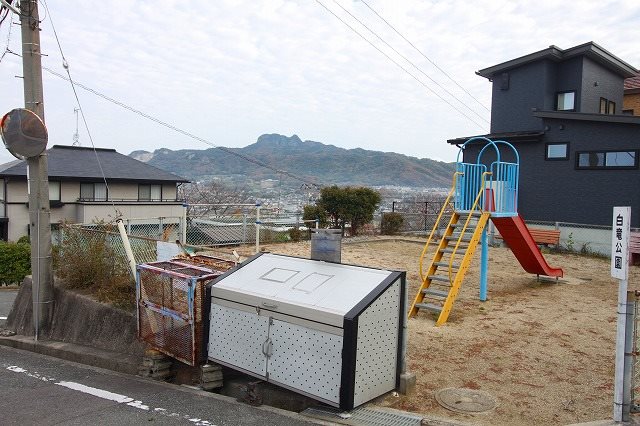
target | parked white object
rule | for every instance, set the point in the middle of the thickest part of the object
(329, 331)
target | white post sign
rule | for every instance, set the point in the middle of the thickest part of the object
(620, 242)
(619, 270)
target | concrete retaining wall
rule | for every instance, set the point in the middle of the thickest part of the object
(78, 319)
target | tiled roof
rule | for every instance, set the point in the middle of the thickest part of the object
(632, 82)
(80, 163)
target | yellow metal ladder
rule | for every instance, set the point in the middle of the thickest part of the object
(443, 278)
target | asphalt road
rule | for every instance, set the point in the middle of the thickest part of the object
(37, 389)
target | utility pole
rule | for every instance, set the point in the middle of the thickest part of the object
(39, 220)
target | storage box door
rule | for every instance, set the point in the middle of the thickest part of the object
(236, 338)
(306, 359)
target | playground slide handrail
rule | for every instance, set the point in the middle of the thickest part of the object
(474, 207)
(437, 222)
(495, 146)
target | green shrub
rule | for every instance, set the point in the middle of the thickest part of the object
(295, 234)
(391, 223)
(24, 240)
(15, 262)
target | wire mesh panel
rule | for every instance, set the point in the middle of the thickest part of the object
(223, 230)
(157, 228)
(172, 308)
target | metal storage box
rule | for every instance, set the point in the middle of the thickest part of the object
(330, 331)
(173, 305)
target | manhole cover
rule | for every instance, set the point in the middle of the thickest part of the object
(464, 400)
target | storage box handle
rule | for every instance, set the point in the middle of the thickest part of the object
(267, 347)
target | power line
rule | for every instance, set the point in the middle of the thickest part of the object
(177, 129)
(410, 62)
(6, 49)
(424, 55)
(400, 66)
(65, 65)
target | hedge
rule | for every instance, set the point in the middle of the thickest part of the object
(15, 262)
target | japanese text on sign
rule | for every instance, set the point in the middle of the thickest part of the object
(620, 242)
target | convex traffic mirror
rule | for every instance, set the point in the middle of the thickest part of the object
(23, 133)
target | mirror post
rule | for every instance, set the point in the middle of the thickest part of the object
(38, 180)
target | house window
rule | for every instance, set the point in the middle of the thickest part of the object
(54, 191)
(607, 160)
(566, 101)
(150, 193)
(557, 151)
(603, 105)
(93, 191)
(607, 106)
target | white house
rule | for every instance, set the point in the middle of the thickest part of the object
(79, 193)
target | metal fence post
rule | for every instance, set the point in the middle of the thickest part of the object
(426, 213)
(628, 356)
(257, 228)
(245, 237)
(160, 228)
(183, 225)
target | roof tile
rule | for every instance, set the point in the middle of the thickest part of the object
(72, 162)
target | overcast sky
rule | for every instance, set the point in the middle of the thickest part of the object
(228, 71)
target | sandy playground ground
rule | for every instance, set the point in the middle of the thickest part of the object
(544, 350)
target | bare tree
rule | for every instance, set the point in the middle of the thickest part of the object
(206, 198)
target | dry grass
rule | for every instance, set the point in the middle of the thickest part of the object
(545, 350)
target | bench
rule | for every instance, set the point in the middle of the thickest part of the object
(543, 236)
(634, 247)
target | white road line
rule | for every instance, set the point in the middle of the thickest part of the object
(3, 318)
(96, 392)
(110, 396)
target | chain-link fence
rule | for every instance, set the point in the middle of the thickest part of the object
(418, 218)
(144, 249)
(157, 228)
(243, 224)
(224, 225)
(212, 229)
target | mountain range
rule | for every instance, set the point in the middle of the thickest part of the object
(313, 161)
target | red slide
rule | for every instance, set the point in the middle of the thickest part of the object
(516, 234)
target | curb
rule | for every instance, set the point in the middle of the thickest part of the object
(114, 361)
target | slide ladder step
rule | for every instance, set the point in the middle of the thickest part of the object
(431, 307)
(446, 265)
(461, 249)
(435, 293)
(455, 238)
(441, 278)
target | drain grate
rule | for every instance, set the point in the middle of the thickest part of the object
(375, 417)
(463, 400)
(365, 416)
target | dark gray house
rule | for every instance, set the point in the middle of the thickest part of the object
(562, 110)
